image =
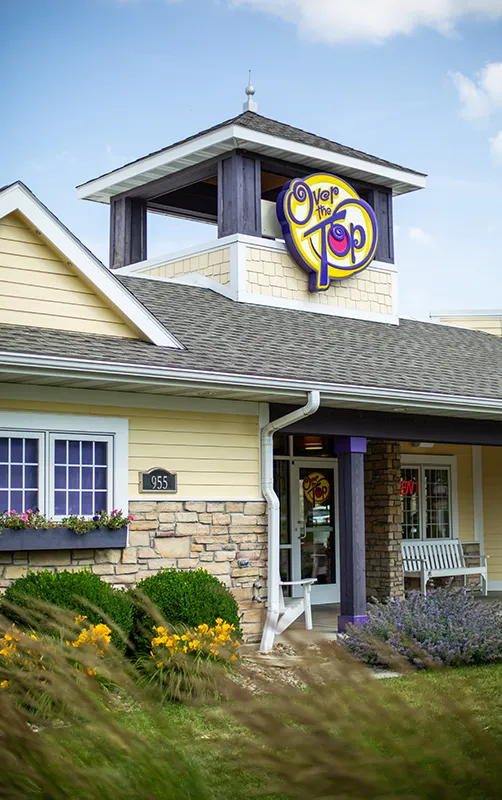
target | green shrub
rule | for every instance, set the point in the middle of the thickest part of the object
(64, 589)
(184, 598)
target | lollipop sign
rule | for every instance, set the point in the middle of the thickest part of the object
(329, 231)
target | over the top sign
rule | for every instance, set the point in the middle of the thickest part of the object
(330, 232)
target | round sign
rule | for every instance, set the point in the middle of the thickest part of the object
(316, 488)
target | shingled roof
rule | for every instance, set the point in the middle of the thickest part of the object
(220, 335)
(257, 122)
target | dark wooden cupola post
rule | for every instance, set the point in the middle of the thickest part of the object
(127, 231)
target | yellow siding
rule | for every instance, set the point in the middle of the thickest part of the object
(215, 265)
(274, 274)
(40, 289)
(463, 455)
(483, 323)
(216, 456)
(492, 509)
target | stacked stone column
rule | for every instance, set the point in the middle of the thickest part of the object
(383, 518)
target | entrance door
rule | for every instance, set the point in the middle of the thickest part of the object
(314, 528)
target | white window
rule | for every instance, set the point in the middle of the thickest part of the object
(63, 465)
(429, 498)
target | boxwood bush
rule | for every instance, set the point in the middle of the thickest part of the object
(183, 598)
(447, 627)
(63, 589)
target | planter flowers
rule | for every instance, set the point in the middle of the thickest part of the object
(31, 530)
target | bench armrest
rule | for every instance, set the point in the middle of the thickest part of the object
(298, 583)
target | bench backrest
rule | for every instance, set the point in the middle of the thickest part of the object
(437, 555)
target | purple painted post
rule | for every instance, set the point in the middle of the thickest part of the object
(350, 451)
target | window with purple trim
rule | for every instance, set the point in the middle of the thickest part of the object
(21, 471)
(81, 474)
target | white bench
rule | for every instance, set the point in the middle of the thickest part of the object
(439, 559)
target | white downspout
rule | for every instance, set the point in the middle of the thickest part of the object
(267, 488)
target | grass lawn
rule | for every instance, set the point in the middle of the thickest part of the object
(207, 736)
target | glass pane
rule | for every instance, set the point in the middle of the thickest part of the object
(87, 503)
(74, 452)
(4, 476)
(31, 451)
(31, 477)
(317, 524)
(60, 477)
(314, 446)
(74, 502)
(87, 448)
(437, 494)
(410, 503)
(60, 451)
(281, 487)
(74, 477)
(16, 450)
(30, 500)
(16, 476)
(285, 568)
(4, 501)
(100, 477)
(100, 454)
(100, 502)
(16, 501)
(60, 503)
(281, 442)
(87, 477)
(4, 449)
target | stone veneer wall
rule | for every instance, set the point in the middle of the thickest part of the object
(185, 535)
(215, 264)
(275, 274)
(383, 517)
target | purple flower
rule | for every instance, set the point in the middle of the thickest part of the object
(29, 511)
(95, 519)
(115, 511)
(130, 517)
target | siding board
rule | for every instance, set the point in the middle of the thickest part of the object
(40, 289)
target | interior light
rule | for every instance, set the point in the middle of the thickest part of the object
(313, 443)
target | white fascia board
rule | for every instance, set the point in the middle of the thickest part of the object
(414, 180)
(18, 198)
(401, 400)
(227, 138)
(110, 182)
(436, 315)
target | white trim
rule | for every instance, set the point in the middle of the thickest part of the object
(18, 198)
(198, 280)
(435, 315)
(116, 427)
(41, 491)
(425, 461)
(477, 494)
(51, 462)
(97, 397)
(261, 243)
(278, 388)
(495, 586)
(230, 137)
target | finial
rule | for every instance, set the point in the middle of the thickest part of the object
(250, 104)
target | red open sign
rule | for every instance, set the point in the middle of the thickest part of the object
(408, 487)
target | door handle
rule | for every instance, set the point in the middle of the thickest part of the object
(303, 531)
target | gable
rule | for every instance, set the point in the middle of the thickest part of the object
(38, 287)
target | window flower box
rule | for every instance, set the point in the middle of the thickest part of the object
(61, 538)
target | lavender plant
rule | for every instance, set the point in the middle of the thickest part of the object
(446, 627)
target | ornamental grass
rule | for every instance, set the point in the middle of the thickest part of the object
(333, 733)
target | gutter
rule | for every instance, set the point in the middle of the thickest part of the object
(273, 505)
(349, 394)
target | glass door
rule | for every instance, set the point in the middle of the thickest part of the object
(314, 539)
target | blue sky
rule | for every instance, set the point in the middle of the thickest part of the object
(92, 84)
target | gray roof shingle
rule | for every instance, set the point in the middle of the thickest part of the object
(221, 335)
(257, 122)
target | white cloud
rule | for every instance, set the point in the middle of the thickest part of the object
(420, 237)
(496, 148)
(374, 20)
(482, 96)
